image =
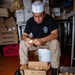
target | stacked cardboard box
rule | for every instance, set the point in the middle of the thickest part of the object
(11, 24)
(35, 68)
(4, 12)
(1, 20)
(5, 4)
(2, 25)
(8, 31)
(19, 15)
(8, 37)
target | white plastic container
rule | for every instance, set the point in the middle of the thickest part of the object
(44, 55)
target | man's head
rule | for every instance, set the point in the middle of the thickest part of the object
(38, 11)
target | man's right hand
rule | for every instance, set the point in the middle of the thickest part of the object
(28, 41)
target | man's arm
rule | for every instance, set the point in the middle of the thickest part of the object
(25, 35)
(53, 35)
(28, 40)
(42, 41)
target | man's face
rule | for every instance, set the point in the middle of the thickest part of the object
(39, 17)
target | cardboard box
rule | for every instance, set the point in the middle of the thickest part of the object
(2, 30)
(28, 13)
(8, 41)
(12, 28)
(8, 32)
(4, 12)
(8, 37)
(20, 15)
(27, 9)
(34, 65)
(27, 3)
(2, 25)
(1, 20)
(10, 22)
(5, 4)
(47, 9)
(38, 69)
(34, 72)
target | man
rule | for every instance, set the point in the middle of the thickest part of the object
(45, 34)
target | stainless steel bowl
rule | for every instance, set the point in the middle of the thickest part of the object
(66, 69)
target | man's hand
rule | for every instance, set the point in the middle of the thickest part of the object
(29, 41)
(37, 42)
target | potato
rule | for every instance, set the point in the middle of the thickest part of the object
(31, 41)
(36, 68)
(66, 73)
(60, 73)
(71, 74)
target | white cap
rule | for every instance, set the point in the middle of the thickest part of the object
(37, 7)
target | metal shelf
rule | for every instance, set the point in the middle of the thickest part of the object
(72, 14)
